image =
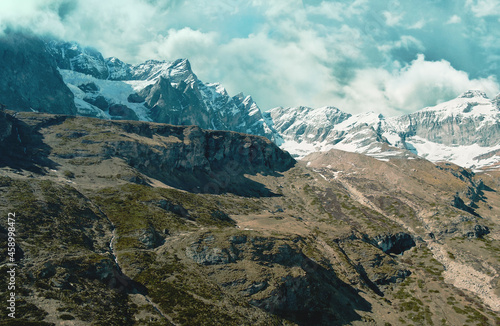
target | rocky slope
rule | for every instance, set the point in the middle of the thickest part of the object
(139, 223)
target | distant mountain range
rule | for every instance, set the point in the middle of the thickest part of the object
(465, 130)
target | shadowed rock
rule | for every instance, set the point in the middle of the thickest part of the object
(29, 79)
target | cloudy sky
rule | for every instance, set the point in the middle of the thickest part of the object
(390, 57)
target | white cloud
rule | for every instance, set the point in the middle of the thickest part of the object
(279, 8)
(30, 14)
(392, 19)
(285, 74)
(183, 43)
(419, 24)
(406, 42)
(454, 20)
(482, 8)
(421, 83)
(336, 10)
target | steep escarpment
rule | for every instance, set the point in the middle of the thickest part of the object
(184, 157)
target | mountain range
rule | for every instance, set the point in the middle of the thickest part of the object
(144, 196)
(465, 130)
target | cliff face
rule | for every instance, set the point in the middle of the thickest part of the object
(199, 160)
(470, 119)
(29, 79)
(186, 157)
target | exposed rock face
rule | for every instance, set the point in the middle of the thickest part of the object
(29, 79)
(306, 124)
(394, 243)
(186, 157)
(463, 121)
(135, 98)
(459, 203)
(122, 112)
(174, 208)
(204, 254)
(478, 231)
(89, 88)
(20, 144)
(70, 55)
(209, 161)
(98, 101)
(151, 238)
(166, 104)
(5, 126)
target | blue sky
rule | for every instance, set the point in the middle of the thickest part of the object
(391, 57)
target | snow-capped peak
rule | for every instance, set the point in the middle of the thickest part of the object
(469, 104)
(473, 93)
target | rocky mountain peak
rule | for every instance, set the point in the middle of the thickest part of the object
(155, 90)
(72, 56)
(180, 70)
(473, 94)
(118, 70)
(182, 64)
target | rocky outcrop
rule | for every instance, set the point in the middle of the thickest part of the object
(174, 208)
(204, 252)
(122, 112)
(394, 243)
(98, 101)
(72, 56)
(151, 238)
(29, 79)
(458, 202)
(5, 126)
(199, 160)
(477, 231)
(135, 98)
(89, 87)
(188, 158)
(21, 144)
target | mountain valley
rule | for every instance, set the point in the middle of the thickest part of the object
(145, 197)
